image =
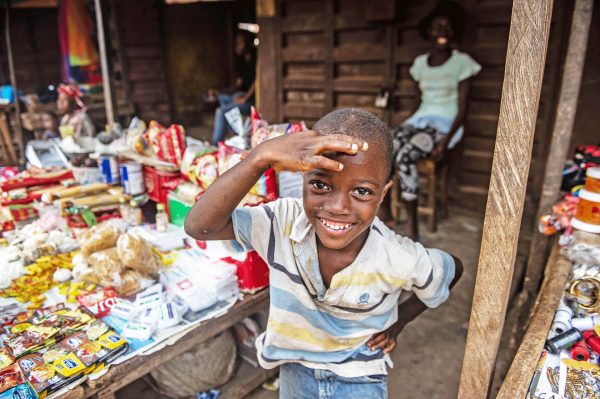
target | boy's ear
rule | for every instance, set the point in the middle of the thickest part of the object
(386, 188)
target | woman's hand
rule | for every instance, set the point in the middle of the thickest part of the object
(240, 99)
(386, 340)
(304, 151)
(439, 151)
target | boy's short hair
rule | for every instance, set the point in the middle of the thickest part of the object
(361, 124)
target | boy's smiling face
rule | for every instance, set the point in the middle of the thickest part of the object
(342, 205)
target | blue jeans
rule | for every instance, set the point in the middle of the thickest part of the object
(226, 104)
(299, 382)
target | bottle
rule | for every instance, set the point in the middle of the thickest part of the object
(135, 214)
(162, 219)
(124, 209)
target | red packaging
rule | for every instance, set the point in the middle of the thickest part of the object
(100, 302)
(252, 272)
(160, 183)
(170, 144)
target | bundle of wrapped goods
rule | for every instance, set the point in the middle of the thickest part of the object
(199, 282)
(111, 258)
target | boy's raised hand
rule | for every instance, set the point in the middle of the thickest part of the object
(304, 151)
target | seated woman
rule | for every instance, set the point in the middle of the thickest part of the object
(444, 75)
(73, 112)
(243, 96)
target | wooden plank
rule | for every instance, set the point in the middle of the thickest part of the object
(525, 362)
(526, 55)
(329, 42)
(9, 146)
(561, 134)
(303, 23)
(359, 52)
(123, 374)
(267, 66)
(247, 378)
(303, 110)
(13, 82)
(303, 54)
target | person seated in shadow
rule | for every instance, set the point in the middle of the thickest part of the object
(242, 96)
(444, 75)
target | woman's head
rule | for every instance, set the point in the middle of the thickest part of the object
(69, 97)
(443, 25)
(243, 43)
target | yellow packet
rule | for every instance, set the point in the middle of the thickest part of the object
(68, 365)
(111, 340)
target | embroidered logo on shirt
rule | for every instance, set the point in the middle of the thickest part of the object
(363, 299)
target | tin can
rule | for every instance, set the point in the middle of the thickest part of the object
(109, 168)
(132, 178)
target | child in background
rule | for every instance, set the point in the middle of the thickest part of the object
(50, 125)
(73, 111)
(444, 75)
(336, 271)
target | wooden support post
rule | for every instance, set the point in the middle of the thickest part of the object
(13, 82)
(267, 81)
(561, 136)
(526, 55)
(106, 85)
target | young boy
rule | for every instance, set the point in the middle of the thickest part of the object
(337, 271)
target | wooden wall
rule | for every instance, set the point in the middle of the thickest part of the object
(587, 119)
(36, 50)
(142, 62)
(339, 53)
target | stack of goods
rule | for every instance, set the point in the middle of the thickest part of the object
(569, 366)
(24, 246)
(580, 208)
(52, 348)
(19, 191)
(111, 258)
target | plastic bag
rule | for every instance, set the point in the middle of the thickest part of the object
(136, 254)
(98, 238)
(106, 267)
(208, 365)
(132, 281)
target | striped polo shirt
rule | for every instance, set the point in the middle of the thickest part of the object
(327, 328)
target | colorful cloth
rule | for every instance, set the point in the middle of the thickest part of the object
(79, 55)
(411, 145)
(327, 328)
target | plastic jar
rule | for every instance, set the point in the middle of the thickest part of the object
(587, 217)
(592, 180)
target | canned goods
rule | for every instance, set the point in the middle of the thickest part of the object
(109, 168)
(132, 178)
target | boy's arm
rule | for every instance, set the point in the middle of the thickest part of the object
(407, 312)
(210, 217)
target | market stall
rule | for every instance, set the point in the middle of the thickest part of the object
(101, 285)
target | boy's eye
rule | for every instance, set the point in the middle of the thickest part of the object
(362, 192)
(319, 185)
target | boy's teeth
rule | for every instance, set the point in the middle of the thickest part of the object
(336, 226)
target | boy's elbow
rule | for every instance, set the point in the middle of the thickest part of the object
(194, 229)
(458, 270)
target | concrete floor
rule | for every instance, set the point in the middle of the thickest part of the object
(428, 358)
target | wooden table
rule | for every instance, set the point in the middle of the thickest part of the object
(246, 379)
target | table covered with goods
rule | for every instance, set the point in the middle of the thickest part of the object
(565, 322)
(98, 277)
